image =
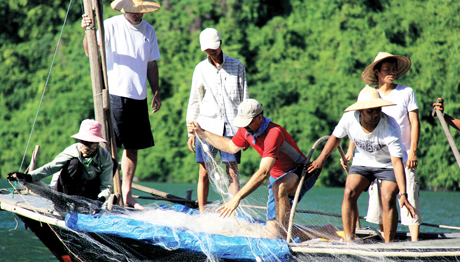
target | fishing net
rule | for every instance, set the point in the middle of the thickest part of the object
(87, 230)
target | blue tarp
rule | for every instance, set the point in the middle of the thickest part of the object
(238, 248)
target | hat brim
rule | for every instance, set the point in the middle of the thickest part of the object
(373, 103)
(142, 7)
(404, 65)
(212, 45)
(89, 138)
(242, 121)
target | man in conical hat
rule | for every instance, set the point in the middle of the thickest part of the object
(132, 50)
(379, 155)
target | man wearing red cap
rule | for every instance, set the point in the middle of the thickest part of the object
(83, 169)
(131, 54)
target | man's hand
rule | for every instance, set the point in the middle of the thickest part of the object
(348, 158)
(194, 128)
(404, 202)
(156, 103)
(439, 106)
(412, 160)
(315, 165)
(18, 176)
(229, 207)
(85, 21)
(191, 143)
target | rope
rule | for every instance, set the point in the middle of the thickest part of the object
(46, 84)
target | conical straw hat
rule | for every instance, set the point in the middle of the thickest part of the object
(404, 64)
(135, 6)
(369, 98)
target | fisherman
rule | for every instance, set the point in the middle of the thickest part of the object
(282, 161)
(454, 122)
(218, 87)
(385, 69)
(379, 155)
(83, 169)
(132, 50)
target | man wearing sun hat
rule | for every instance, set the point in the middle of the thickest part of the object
(379, 153)
(282, 162)
(383, 71)
(83, 169)
(131, 51)
(218, 87)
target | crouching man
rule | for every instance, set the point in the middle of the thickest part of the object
(282, 161)
(82, 169)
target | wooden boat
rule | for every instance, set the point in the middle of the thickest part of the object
(50, 222)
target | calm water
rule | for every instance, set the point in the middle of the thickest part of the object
(19, 244)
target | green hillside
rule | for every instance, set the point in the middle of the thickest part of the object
(304, 61)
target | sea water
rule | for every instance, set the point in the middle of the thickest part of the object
(19, 244)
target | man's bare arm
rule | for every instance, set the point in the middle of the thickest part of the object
(219, 142)
(154, 81)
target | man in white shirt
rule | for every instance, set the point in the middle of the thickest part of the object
(131, 50)
(218, 87)
(379, 155)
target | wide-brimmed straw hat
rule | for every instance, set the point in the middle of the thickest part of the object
(135, 6)
(404, 64)
(369, 97)
(90, 131)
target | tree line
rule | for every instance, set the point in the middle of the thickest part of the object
(304, 61)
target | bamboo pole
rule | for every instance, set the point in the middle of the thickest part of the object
(297, 193)
(450, 139)
(102, 109)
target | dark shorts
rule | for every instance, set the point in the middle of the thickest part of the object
(371, 173)
(307, 185)
(131, 123)
(203, 157)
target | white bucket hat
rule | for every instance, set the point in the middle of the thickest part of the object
(369, 98)
(135, 6)
(404, 65)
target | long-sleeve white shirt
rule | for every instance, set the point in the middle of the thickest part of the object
(216, 93)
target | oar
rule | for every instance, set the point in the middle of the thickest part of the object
(448, 134)
(193, 203)
(360, 217)
(163, 195)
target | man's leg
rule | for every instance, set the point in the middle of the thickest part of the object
(283, 188)
(202, 190)
(390, 211)
(354, 186)
(233, 177)
(412, 190)
(128, 167)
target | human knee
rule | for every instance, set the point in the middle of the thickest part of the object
(350, 194)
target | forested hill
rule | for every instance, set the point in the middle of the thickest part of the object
(304, 61)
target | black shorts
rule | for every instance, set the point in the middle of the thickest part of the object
(371, 173)
(131, 123)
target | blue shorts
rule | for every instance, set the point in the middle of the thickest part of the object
(307, 185)
(371, 173)
(203, 157)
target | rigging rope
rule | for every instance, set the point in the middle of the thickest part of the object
(46, 84)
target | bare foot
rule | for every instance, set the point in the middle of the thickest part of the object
(131, 202)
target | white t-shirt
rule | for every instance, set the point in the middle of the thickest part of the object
(129, 48)
(376, 148)
(404, 98)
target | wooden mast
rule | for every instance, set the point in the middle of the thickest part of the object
(102, 109)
